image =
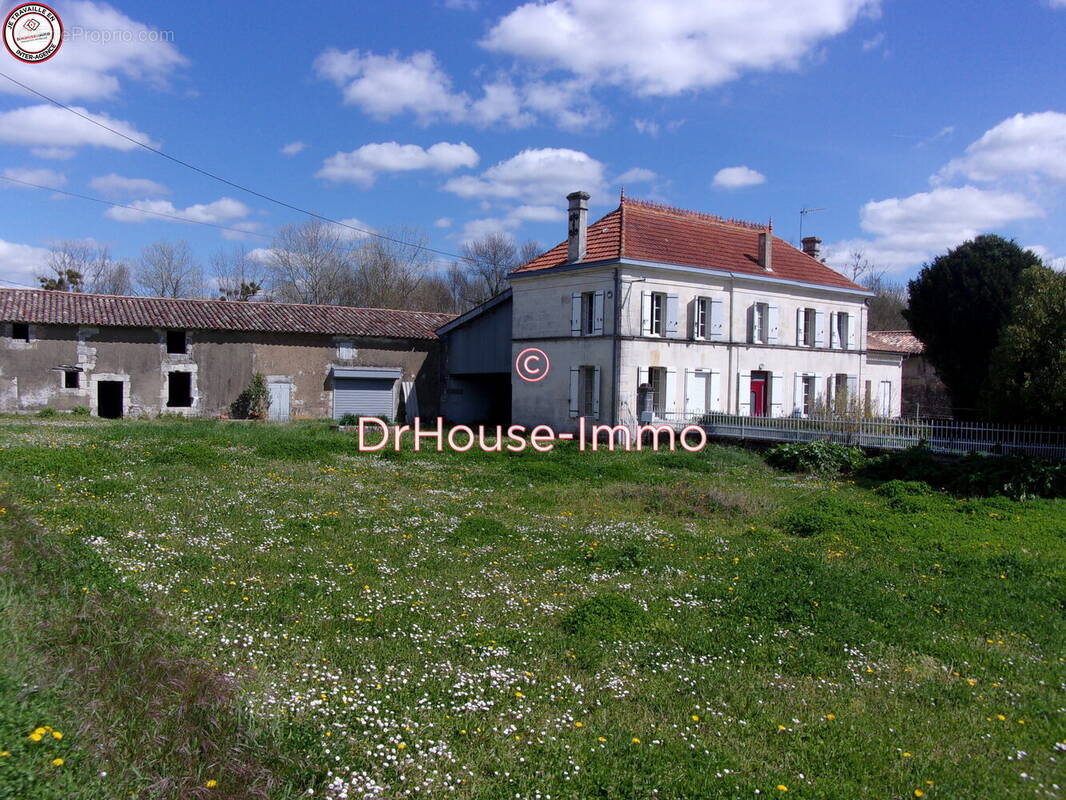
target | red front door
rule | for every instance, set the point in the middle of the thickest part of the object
(758, 395)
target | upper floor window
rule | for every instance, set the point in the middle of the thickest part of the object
(71, 379)
(806, 327)
(841, 330)
(177, 342)
(20, 331)
(346, 350)
(701, 324)
(658, 309)
(762, 323)
(586, 313)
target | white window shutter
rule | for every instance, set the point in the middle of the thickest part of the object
(753, 322)
(692, 401)
(777, 395)
(695, 312)
(575, 379)
(645, 313)
(852, 319)
(830, 390)
(801, 318)
(797, 397)
(717, 321)
(671, 389)
(772, 326)
(744, 394)
(597, 313)
(672, 326)
(596, 392)
(834, 332)
(819, 329)
(714, 399)
(575, 314)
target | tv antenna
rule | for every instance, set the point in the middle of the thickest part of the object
(804, 212)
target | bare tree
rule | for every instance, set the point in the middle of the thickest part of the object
(434, 294)
(486, 262)
(390, 270)
(890, 299)
(168, 269)
(312, 262)
(237, 275)
(859, 265)
(77, 265)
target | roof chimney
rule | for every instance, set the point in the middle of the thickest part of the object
(810, 246)
(766, 245)
(579, 226)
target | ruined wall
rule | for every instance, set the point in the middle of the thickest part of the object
(220, 365)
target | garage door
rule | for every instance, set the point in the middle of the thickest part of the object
(364, 397)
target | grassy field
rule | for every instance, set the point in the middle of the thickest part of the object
(211, 610)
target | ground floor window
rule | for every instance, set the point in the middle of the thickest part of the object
(657, 382)
(71, 379)
(808, 393)
(179, 392)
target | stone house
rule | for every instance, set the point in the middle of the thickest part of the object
(707, 314)
(121, 356)
(924, 394)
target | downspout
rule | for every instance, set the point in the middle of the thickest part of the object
(729, 349)
(617, 346)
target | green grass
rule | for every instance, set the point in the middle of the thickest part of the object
(265, 607)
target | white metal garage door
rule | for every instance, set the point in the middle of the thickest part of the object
(364, 391)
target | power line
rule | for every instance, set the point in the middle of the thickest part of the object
(219, 178)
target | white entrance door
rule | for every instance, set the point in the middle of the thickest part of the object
(279, 401)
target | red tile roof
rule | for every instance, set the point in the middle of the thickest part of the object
(894, 341)
(70, 308)
(646, 231)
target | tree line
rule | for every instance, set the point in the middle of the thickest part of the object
(311, 262)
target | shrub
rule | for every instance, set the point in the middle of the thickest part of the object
(631, 555)
(254, 401)
(1018, 477)
(47, 413)
(816, 458)
(605, 616)
(348, 419)
(80, 411)
(823, 514)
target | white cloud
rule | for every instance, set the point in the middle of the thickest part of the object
(737, 178)
(41, 177)
(242, 230)
(873, 42)
(1025, 144)
(361, 166)
(21, 263)
(535, 176)
(636, 175)
(292, 148)
(476, 228)
(353, 229)
(670, 46)
(261, 254)
(910, 230)
(221, 212)
(1058, 3)
(101, 46)
(49, 126)
(384, 86)
(55, 153)
(112, 185)
(443, 222)
(535, 213)
(1046, 255)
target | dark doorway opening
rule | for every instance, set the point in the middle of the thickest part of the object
(109, 399)
(179, 393)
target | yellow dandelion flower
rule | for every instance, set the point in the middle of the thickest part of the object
(57, 734)
(601, 738)
(211, 784)
(919, 793)
(830, 717)
(57, 762)
(579, 724)
(401, 746)
(519, 694)
(906, 754)
(781, 728)
(695, 717)
(782, 788)
(36, 737)
(4, 754)
(636, 740)
(1000, 717)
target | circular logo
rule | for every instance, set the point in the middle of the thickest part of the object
(532, 365)
(33, 32)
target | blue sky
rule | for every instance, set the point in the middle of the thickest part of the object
(915, 125)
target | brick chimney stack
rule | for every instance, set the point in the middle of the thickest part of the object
(811, 246)
(577, 243)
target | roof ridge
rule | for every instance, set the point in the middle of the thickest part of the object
(685, 212)
(237, 303)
